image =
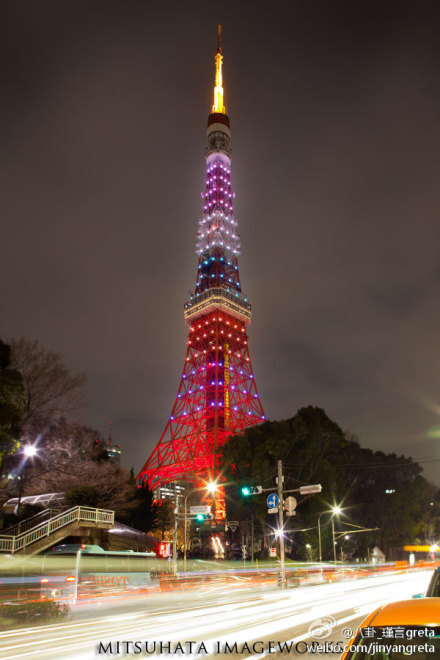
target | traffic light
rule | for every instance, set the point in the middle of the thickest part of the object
(251, 490)
(200, 517)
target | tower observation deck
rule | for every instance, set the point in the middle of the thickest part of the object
(217, 395)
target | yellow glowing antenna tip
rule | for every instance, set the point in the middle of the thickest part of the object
(218, 89)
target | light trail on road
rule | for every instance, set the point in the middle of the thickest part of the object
(211, 619)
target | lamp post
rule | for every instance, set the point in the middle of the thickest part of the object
(29, 451)
(211, 488)
(319, 535)
(335, 510)
(333, 539)
(176, 523)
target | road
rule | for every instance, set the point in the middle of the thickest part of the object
(222, 622)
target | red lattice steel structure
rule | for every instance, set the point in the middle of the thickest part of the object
(217, 394)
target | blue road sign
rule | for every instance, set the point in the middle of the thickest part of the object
(273, 500)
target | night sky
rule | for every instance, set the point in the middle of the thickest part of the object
(334, 110)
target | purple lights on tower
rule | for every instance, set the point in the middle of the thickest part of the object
(218, 189)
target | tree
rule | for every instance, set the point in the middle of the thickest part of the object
(82, 496)
(12, 404)
(164, 522)
(373, 488)
(144, 512)
(73, 458)
(50, 390)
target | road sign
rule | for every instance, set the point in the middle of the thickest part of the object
(290, 504)
(232, 525)
(309, 490)
(272, 552)
(202, 508)
(272, 500)
(274, 510)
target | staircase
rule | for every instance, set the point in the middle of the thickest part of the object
(29, 523)
(75, 521)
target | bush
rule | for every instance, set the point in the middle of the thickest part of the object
(32, 613)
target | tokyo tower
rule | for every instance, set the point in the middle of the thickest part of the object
(217, 395)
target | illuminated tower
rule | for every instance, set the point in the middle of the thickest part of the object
(217, 395)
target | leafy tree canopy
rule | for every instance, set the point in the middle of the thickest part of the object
(374, 489)
(12, 403)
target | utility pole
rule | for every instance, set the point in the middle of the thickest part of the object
(280, 480)
(334, 542)
(252, 538)
(176, 522)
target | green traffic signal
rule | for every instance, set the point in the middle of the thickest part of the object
(251, 490)
(200, 516)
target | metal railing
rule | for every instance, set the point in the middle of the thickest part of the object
(234, 303)
(234, 297)
(28, 523)
(13, 544)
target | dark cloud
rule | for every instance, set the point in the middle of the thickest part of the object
(334, 113)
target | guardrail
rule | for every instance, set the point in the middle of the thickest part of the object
(29, 523)
(235, 303)
(13, 544)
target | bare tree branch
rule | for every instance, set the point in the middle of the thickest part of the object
(51, 391)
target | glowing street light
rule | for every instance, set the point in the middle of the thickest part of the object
(335, 510)
(211, 487)
(29, 451)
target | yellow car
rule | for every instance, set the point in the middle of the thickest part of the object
(399, 631)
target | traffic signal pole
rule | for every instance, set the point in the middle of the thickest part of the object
(307, 489)
(280, 480)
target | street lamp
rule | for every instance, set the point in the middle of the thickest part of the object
(29, 451)
(211, 487)
(335, 510)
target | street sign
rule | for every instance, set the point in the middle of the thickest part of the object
(290, 504)
(309, 490)
(272, 500)
(202, 508)
(272, 552)
(232, 525)
(274, 510)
